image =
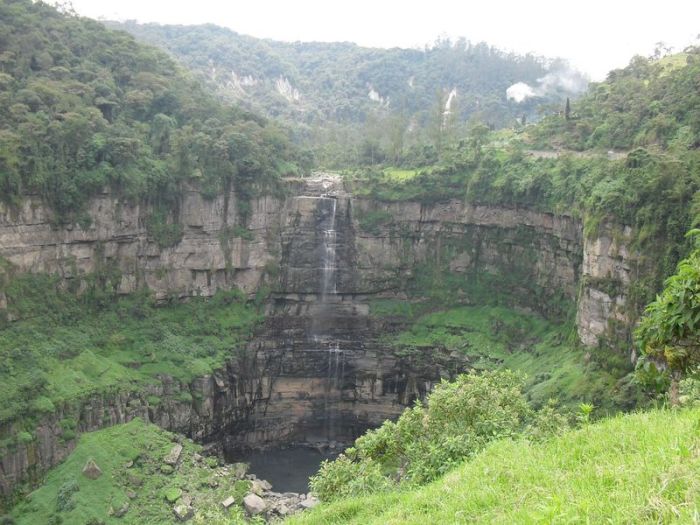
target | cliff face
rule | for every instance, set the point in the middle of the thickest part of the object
(317, 369)
(609, 268)
(209, 256)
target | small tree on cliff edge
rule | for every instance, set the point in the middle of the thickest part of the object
(669, 331)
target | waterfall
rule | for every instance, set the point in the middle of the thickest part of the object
(322, 332)
(328, 280)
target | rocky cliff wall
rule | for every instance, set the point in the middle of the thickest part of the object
(318, 367)
(542, 255)
(209, 256)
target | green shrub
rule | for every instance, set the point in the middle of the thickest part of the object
(165, 234)
(547, 422)
(64, 497)
(44, 405)
(172, 494)
(184, 397)
(243, 232)
(458, 419)
(371, 221)
(344, 478)
(153, 400)
(690, 392)
(24, 438)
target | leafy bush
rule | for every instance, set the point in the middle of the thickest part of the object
(371, 221)
(458, 419)
(547, 422)
(64, 497)
(24, 437)
(689, 392)
(165, 234)
(344, 478)
(172, 494)
(668, 332)
(44, 405)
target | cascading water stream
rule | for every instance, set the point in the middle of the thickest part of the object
(327, 290)
(328, 283)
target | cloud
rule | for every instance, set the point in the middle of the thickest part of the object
(562, 78)
(519, 92)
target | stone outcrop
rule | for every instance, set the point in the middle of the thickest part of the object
(609, 267)
(317, 369)
(209, 256)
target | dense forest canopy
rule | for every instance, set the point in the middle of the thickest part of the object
(83, 108)
(653, 101)
(342, 97)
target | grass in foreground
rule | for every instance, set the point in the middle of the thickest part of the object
(641, 468)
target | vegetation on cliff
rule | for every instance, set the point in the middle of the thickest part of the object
(65, 349)
(497, 338)
(84, 108)
(137, 485)
(669, 332)
(652, 189)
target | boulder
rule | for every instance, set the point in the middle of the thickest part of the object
(310, 502)
(121, 511)
(259, 486)
(134, 480)
(254, 504)
(238, 470)
(183, 512)
(174, 455)
(91, 470)
(266, 485)
(228, 502)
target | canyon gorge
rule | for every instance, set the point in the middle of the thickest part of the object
(318, 367)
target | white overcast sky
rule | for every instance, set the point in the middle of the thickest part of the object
(594, 35)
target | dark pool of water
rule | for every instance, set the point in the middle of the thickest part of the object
(288, 469)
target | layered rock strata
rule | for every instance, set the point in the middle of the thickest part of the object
(317, 369)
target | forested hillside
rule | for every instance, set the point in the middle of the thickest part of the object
(468, 284)
(655, 101)
(83, 108)
(359, 105)
(649, 112)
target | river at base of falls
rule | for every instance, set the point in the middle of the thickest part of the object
(287, 469)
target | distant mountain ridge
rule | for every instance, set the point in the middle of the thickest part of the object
(311, 83)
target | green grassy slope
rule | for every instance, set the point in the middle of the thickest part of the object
(131, 459)
(641, 468)
(496, 337)
(59, 359)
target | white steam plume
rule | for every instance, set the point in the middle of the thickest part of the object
(561, 79)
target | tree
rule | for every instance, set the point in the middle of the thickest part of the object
(669, 332)
(397, 132)
(437, 121)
